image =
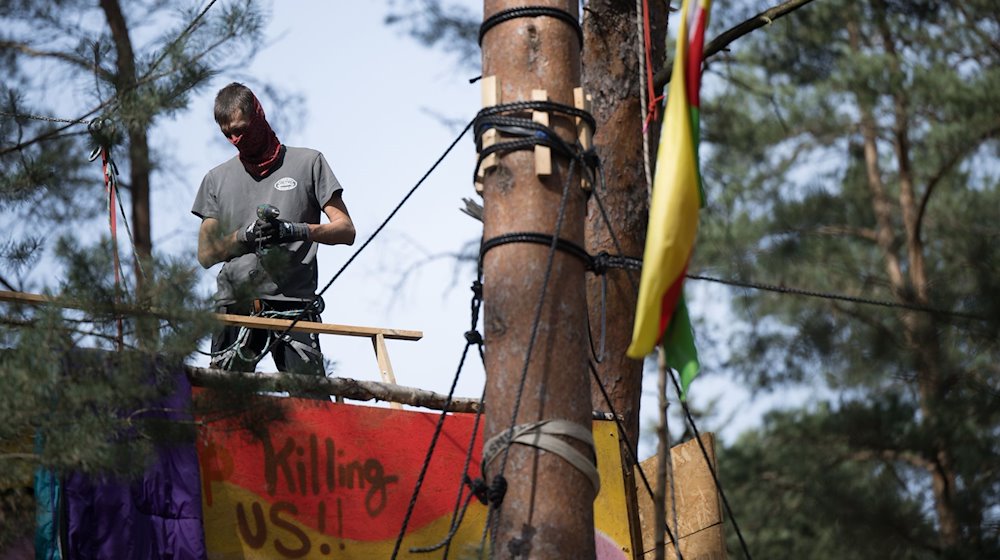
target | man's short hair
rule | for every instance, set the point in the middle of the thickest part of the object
(232, 98)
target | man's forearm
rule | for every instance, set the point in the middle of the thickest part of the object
(340, 232)
(218, 249)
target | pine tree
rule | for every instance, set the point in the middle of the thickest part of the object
(69, 403)
(853, 150)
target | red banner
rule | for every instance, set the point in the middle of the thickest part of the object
(334, 480)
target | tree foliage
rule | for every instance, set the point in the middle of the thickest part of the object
(852, 149)
(69, 402)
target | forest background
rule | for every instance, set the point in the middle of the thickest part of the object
(849, 148)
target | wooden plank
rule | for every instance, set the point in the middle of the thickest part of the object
(543, 154)
(318, 328)
(699, 513)
(384, 365)
(240, 320)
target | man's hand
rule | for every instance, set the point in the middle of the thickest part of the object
(256, 233)
(265, 233)
(287, 232)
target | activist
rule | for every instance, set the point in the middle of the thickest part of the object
(260, 213)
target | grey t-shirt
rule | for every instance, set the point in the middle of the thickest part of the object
(301, 185)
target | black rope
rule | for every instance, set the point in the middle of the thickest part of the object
(536, 322)
(601, 262)
(381, 226)
(476, 301)
(22, 116)
(531, 11)
(528, 133)
(536, 105)
(480, 490)
(561, 244)
(715, 476)
(839, 297)
(628, 444)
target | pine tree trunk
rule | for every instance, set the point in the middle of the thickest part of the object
(612, 61)
(139, 166)
(908, 280)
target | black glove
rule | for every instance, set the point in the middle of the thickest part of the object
(256, 233)
(287, 232)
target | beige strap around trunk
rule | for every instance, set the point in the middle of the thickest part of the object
(543, 435)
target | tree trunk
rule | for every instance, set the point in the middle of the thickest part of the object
(548, 509)
(611, 62)
(139, 166)
(912, 286)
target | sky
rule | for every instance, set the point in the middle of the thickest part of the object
(374, 102)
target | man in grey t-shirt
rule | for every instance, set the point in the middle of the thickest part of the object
(270, 264)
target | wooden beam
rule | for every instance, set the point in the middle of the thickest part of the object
(318, 328)
(340, 387)
(236, 320)
(384, 365)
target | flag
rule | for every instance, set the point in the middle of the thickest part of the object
(673, 215)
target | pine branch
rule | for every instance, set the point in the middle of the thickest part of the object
(727, 37)
(27, 49)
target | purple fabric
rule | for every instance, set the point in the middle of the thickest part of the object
(156, 516)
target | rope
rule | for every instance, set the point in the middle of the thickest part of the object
(715, 476)
(381, 226)
(470, 340)
(561, 244)
(628, 442)
(110, 173)
(601, 262)
(44, 118)
(528, 133)
(531, 11)
(652, 111)
(533, 336)
(642, 100)
(458, 513)
(839, 297)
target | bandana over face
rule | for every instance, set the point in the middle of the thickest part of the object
(258, 144)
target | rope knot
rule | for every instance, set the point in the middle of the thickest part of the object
(488, 494)
(497, 490)
(600, 263)
(591, 158)
(473, 337)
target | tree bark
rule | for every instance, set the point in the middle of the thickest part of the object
(548, 508)
(611, 62)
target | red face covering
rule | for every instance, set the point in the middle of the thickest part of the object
(258, 145)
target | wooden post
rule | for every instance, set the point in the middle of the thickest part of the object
(548, 509)
(384, 365)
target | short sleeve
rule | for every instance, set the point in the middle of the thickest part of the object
(325, 182)
(206, 202)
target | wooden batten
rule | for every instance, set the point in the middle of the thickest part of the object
(584, 135)
(543, 154)
(491, 95)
